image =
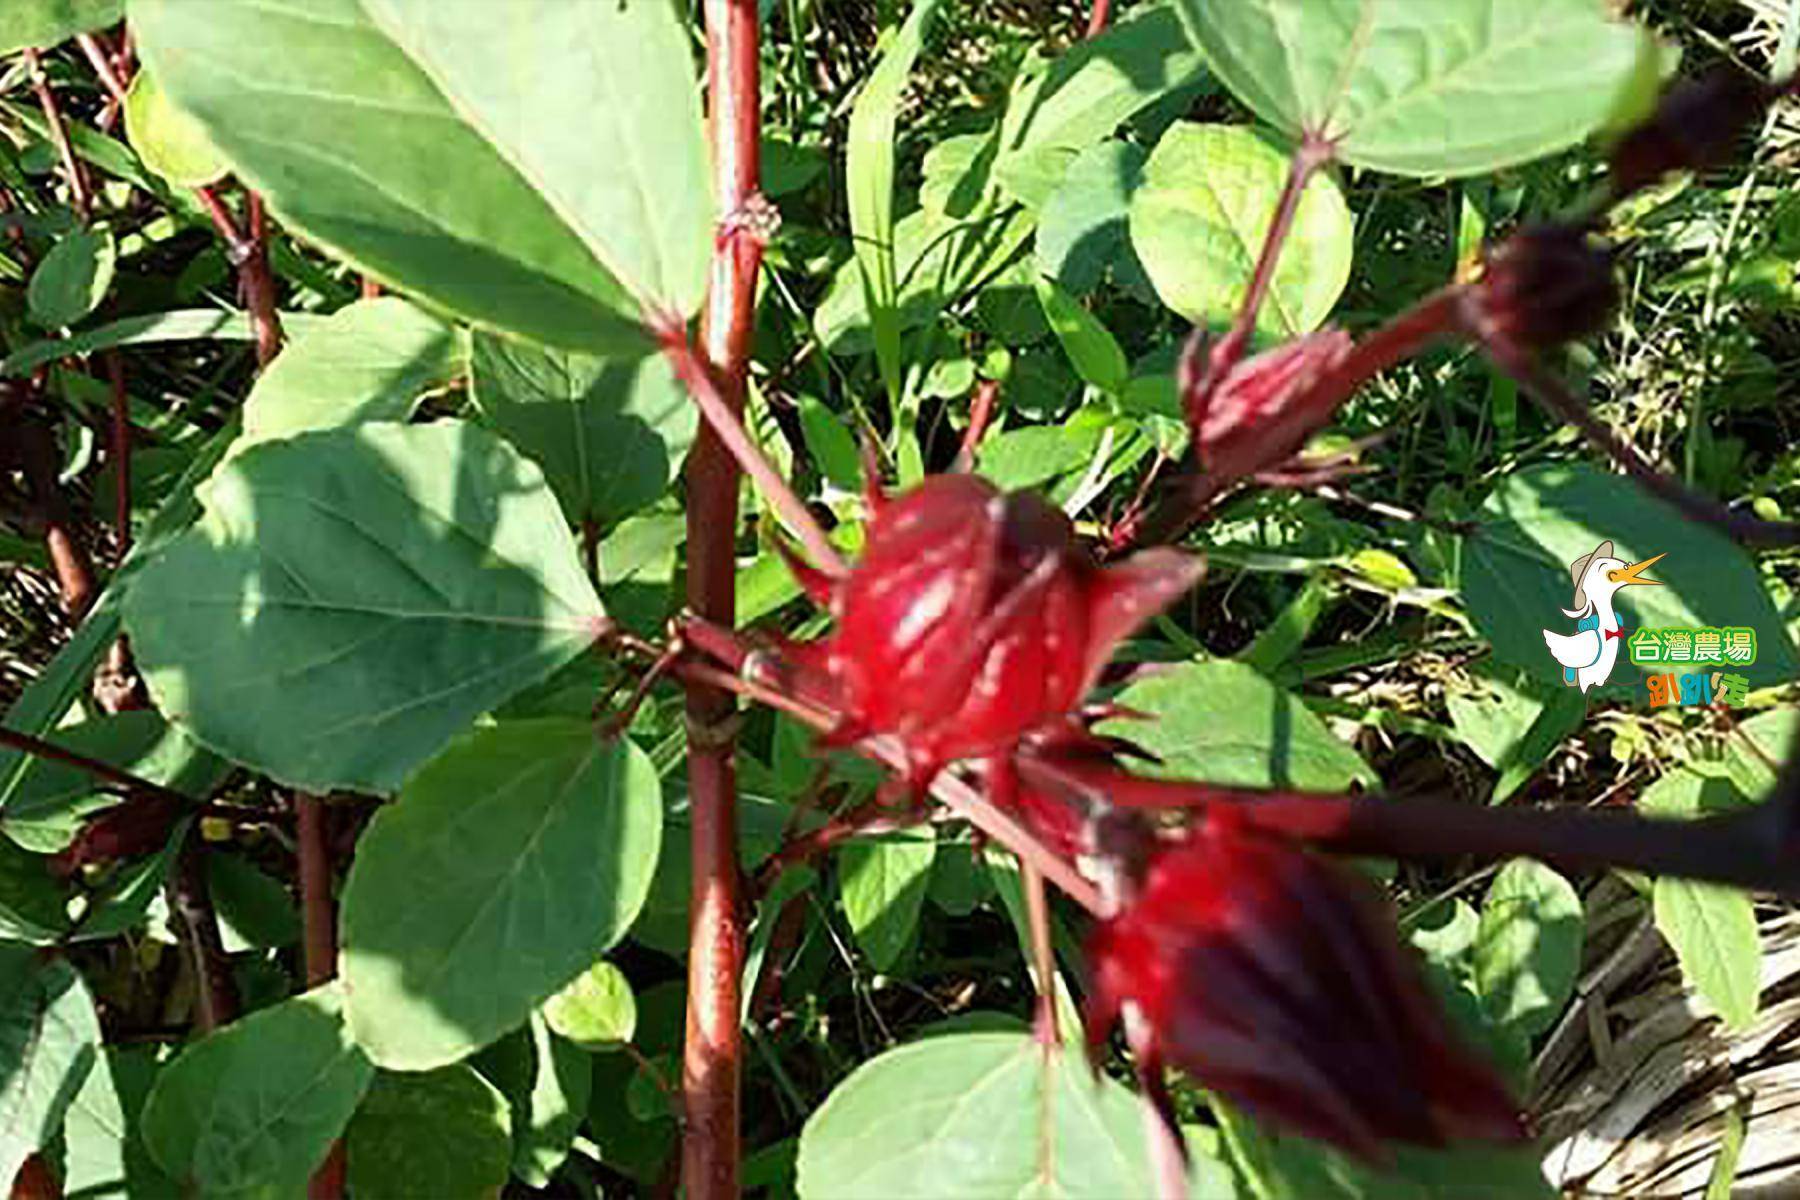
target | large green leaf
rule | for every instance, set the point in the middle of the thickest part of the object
(537, 165)
(257, 1104)
(368, 361)
(353, 598)
(1198, 220)
(1424, 87)
(440, 1135)
(1223, 722)
(979, 1115)
(1528, 946)
(609, 433)
(1082, 95)
(49, 1041)
(41, 24)
(882, 882)
(509, 864)
(1515, 569)
(1082, 230)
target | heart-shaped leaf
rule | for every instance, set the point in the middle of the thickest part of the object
(1198, 221)
(507, 867)
(537, 166)
(1444, 87)
(352, 599)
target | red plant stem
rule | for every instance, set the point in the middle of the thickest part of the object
(1043, 956)
(1757, 848)
(1554, 395)
(103, 67)
(981, 415)
(59, 136)
(871, 816)
(1098, 17)
(100, 770)
(35, 1181)
(249, 253)
(1312, 153)
(318, 924)
(74, 572)
(955, 794)
(712, 1055)
(722, 417)
(215, 991)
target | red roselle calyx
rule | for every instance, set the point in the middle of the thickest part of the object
(1276, 978)
(1255, 414)
(972, 619)
(1544, 285)
(138, 826)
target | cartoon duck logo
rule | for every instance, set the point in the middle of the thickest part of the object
(1587, 656)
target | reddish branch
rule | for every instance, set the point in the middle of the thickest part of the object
(38, 459)
(713, 1052)
(59, 136)
(249, 253)
(1098, 17)
(319, 925)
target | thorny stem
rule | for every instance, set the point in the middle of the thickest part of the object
(712, 1054)
(722, 418)
(1556, 397)
(59, 136)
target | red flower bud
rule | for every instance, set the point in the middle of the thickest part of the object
(1274, 977)
(1544, 285)
(1255, 414)
(974, 618)
(1692, 128)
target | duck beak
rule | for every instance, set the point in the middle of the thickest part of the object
(1632, 574)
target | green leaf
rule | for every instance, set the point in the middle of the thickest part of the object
(1086, 92)
(1089, 344)
(103, 1153)
(171, 143)
(1285, 1167)
(72, 279)
(1197, 224)
(538, 166)
(1769, 737)
(1714, 934)
(254, 909)
(548, 1082)
(369, 361)
(40, 24)
(257, 1104)
(49, 1041)
(1453, 87)
(977, 1115)
(33, 903)
(1082, 230)
(353, 598)
(882, 884)
(1528, 947)
(610, 434)
(1512, 722)
(869, 181)
(440, 1135)
(596, 1010)
(1222, 722)
(508, 865)
(47, 808)
(180, 325)
(1515, 569)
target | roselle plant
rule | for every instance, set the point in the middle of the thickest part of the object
(542, 532)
